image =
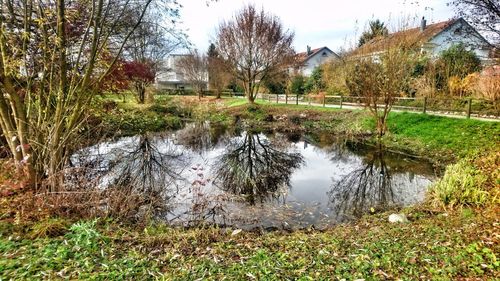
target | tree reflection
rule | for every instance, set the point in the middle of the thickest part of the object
(367, 187)
(253, 168)
(200, 136)
(147, 165)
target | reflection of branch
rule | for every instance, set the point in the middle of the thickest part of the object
(251, 167)
(200, 136)
(369, 186)
(147, 168)
(143, 165)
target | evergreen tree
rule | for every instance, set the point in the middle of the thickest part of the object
(377, 28)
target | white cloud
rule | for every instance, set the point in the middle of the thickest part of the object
(315, 22)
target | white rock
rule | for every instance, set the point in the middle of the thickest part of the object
(235, 232)
(398, 218)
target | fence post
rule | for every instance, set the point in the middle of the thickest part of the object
(277, 98)
(341, 101)
(309, 99)
(297, 100)
(324, 100)
(469, 107)
(286, 99)
(425, 105)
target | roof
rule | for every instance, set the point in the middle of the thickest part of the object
(302, 57)
(407, 38)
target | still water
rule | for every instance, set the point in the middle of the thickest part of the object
(212, 174)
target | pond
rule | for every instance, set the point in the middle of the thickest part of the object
(247, 179)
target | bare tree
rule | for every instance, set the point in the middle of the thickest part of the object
(256, 46)
(483, 14)
(156, 37)
(218, 76)
(381, 80)
(194, 67)
(51, 66)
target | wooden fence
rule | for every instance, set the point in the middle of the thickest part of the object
(467, 106)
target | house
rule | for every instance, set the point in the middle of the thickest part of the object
(171, 77)
(312, 58)
(431, 40)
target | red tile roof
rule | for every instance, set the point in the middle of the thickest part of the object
(304, 56)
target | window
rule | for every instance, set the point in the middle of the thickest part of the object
(324, 54)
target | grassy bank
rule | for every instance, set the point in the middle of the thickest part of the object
(433, 246)
(453, 235)
(441, 138)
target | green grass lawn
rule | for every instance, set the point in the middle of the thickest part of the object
(460, 137)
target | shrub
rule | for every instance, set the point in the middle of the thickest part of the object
(488, 86)
(315, 82)
(295, 119)
(334, 76)
(458, 61)
(297, 85)
(172, 109)
(462, 184)
(462, 86)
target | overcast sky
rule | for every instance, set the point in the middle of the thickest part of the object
(316, 23)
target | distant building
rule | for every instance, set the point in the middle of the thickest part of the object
(431, 40)
(312, 58)
(171, 77)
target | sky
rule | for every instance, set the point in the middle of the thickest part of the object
(317, 23)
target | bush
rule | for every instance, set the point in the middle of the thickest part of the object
(295, 119)
(462, 184)
(458, 61)
(315, 82)
(172, 109)
(297, 85)
(334, 76)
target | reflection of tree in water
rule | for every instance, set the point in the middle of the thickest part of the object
(364, 188)
(200, 136)
(337, 147)
(148, 166)
(252, 167)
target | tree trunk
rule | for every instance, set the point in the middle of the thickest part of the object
(381, 126)
(140, 91)
(251, 98)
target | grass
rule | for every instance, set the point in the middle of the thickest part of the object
(126, 117)
(432, 246)
(443, 135)
(462, 184)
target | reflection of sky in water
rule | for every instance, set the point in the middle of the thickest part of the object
(307, 201)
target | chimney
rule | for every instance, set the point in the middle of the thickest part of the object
(308, 50)
(423, 24)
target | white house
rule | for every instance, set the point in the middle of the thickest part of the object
(171, 77)
(431, 39)
(313, 58)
